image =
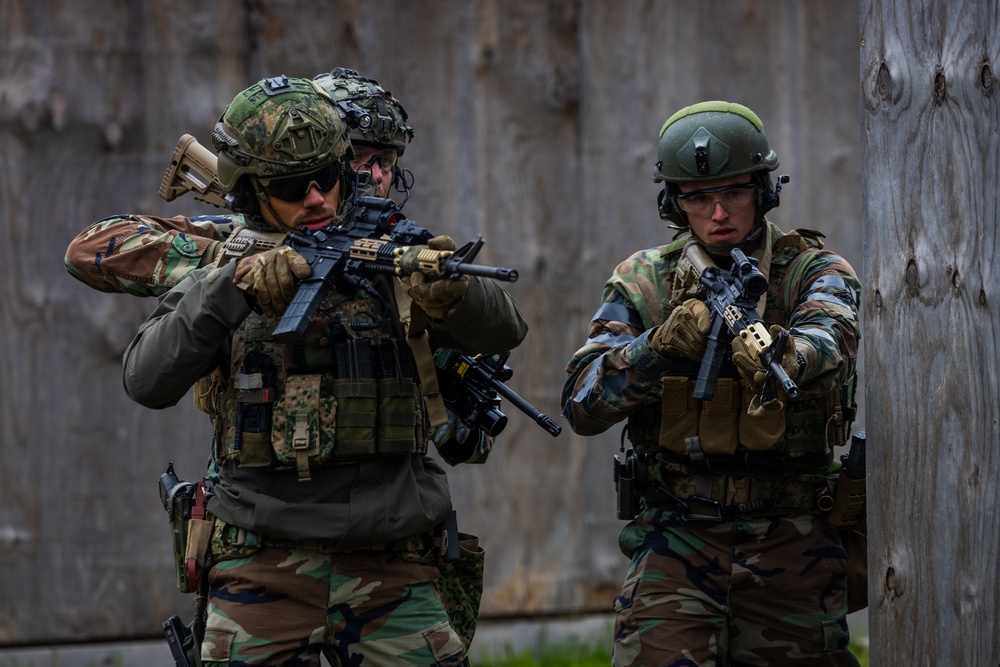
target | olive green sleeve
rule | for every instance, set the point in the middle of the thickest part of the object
(487, 321)
(185, 338)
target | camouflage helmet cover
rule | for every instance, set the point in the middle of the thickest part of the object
(278, 126)
(388, 117)
(712, 140)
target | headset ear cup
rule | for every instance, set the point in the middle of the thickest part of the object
(663, 204)
(771, 198)
(244, 200)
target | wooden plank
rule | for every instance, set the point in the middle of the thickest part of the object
(930, 119)
(536, 125)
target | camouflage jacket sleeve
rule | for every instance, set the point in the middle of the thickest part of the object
(186, 337)
(823, 293)
(616, 371)
(145, 255)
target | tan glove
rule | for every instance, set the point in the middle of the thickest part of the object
(755, 374)
(438, 298)
(685, 333)
(270, 277)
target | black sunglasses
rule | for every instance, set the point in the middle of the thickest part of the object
(295, 188)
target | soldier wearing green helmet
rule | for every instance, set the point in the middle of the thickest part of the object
(733, 561)
(689, 152)
(147, 255)
(318, 524)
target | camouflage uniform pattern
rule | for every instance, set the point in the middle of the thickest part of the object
(388, 126)
(764, 587)
(280, 133)
(281, 606)
(459, 584)
(145, 255)
(763, 591)
(616, 371)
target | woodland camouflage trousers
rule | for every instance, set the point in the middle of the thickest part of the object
(282, 606)
(762, 591)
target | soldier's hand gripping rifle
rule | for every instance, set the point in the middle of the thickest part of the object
(732, 298)
(373, 240)
(340, 257)
(472, 386)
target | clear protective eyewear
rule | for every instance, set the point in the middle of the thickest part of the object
(732, 198)
(365, 158)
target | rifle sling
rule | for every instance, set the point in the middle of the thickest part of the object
(417, 339)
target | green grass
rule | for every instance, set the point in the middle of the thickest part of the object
(570, 654)
(574, 654)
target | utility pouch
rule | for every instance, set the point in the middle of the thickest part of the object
(460, 560)
(764, 431)
(680, 413)
(298, 441)
(397, 415)
(848, 502)
(254, 393)
(356, 414)
(199, 537)
(718, 426)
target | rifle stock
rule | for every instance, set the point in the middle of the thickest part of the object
(193, 168)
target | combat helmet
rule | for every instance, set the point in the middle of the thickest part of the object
(277, 127)
(710, 141)
(385, 124)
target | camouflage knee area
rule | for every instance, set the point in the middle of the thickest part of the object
(282, 606)
(763, 591)
(460, 584)
(461, 587)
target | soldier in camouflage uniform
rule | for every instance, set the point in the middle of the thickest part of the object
(147, 255)
(325, 503)
(732, 561)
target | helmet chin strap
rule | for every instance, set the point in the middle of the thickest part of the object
(265, 201)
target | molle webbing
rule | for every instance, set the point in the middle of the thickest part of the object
(338, 396)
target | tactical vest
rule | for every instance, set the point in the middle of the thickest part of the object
(805, 429)
(346, 392)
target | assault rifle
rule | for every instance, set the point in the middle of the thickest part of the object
(732, 298)
(339, 256)
(472, 386)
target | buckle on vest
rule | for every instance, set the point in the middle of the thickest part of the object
(300, 436)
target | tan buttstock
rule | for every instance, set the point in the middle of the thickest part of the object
(193, 168)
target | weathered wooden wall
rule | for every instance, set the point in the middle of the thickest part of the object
(930, 123)
(536, 125)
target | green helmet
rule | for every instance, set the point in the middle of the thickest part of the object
(711, 141)
(277, 127)
(357, 96)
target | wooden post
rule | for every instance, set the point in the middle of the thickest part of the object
(931, 314)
